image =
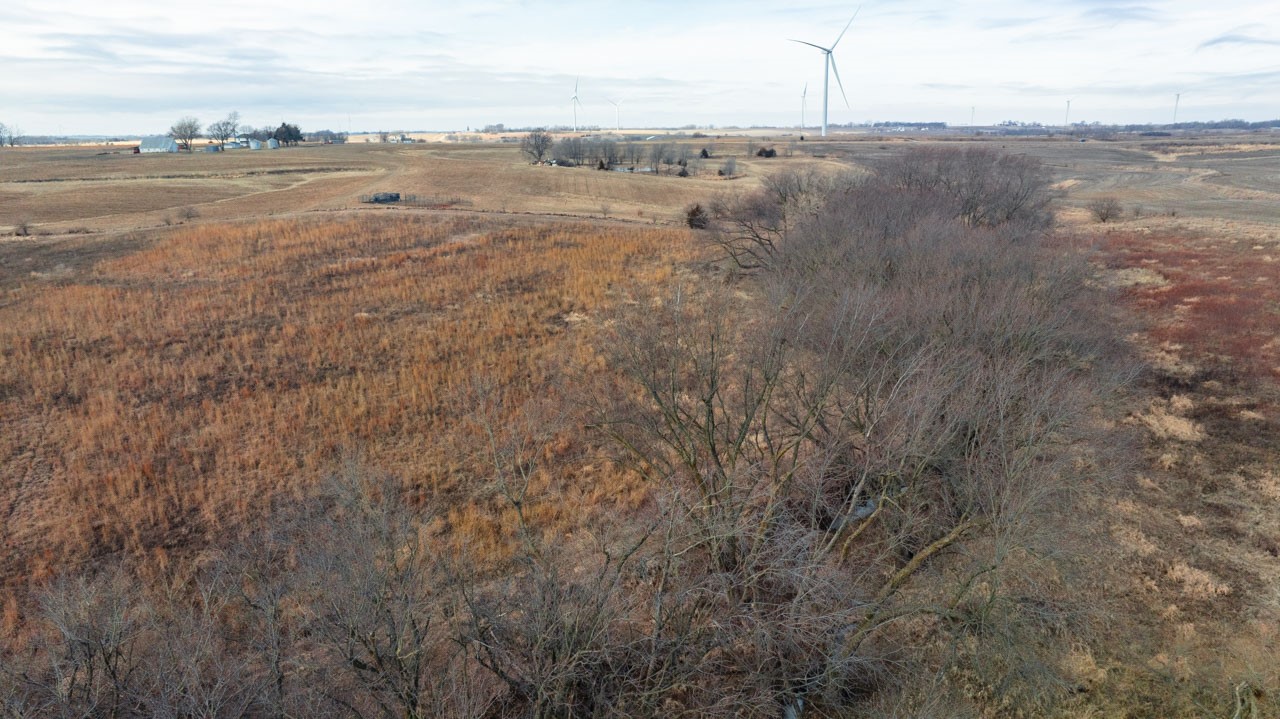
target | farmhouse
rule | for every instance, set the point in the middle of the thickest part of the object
(158, 143)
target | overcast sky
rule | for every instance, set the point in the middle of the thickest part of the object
(135, 66)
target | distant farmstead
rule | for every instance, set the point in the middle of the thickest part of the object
(159, 143)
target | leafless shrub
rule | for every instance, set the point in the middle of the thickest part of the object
(751, 227)
(896, 401)
(21, 228)
(982, 187)
(376, 600)
(189, 213)
(1105, 209)
(990, 187)
(696, 217)
(91, 651)
(191, 668)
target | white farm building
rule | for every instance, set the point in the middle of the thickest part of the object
(158, 143)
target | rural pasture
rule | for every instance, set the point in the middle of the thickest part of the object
(190, 342)
(61, 190)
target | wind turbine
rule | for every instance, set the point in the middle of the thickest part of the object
(576, 103)
(617, 113)
(828, 66)
(1176, 99)
(803, 102)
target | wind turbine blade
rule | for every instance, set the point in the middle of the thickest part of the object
(836, 70)
(802, 42)
(846, 27)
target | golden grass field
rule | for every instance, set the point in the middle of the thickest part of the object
(182, 389)
(165, 377)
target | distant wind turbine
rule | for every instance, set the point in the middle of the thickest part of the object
(829, 65)
(576, 103)
(1176, 99)
(617, 113)
(1066, 119)
(803, 101)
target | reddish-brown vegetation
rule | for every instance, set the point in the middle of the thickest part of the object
(1219, 300)
(1195, 561)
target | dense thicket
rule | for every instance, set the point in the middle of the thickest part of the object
(853, 456)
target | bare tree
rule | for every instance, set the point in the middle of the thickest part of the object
(93, 648)
(185, 131)
(268, 585)
(571, 150)
(378, 601)
(634, 153)
(658, 152)
(537, 144)
(753, 226)
(1105, 209)
(225, 129)
(192, 670)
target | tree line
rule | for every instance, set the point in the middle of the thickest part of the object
(188, 129)
(607, 154)
(858, 445)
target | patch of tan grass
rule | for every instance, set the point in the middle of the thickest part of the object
(1165, 421)
(1197, 583)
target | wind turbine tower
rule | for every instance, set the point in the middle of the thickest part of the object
(829, 66)
(617, 113)
(803, 102)
(576, 104)
(1066, 119)
(1176, 99)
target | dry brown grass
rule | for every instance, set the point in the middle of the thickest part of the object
(179, 388)
(104, 189)
(184, 389)
(1198, 544)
